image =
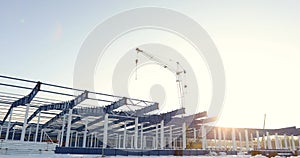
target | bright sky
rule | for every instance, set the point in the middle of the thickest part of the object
(258, 42)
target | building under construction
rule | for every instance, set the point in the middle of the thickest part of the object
(40, 117)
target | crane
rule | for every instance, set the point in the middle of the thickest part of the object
(178, 71)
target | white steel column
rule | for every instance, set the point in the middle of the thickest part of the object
(156, 137)
(0, 131)
(233, 139)
(184, 135)
(8, 125)
(13, 136)
(25, 123)
(171, 138)
(215, 138)
(195, 134)
(153, 142)
(71, 139)
(91, 142)
(76, 138)
(69, 128)
(247, 140)
(85, 133)
(42, 134)
(276, 141)
(203, 131)
(136, 132)
(265, 140)
(241, 144)
(258, 141)
(119, 141)
(293, 143)
(28, 137)
(285, 142)
(251, 141)
(63, 130)
(131, 141)
(142, 137)
(105, 131)
(124, 139)
(162, 144)
(224, 140)
(37, 127)
(219, 139)
(269, 141)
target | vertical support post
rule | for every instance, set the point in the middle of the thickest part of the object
(131, 142)
(153, 142)
(280, 143)
(76, 138)
(105, 131)
(233, 139)
(136, 132)
(258, 141)
(42, 134)
(156, 137)
(119, 141)
(25, 123)
(91, 142)
(69, 128)
(276, 141)
(285, 142)
(58, 136)
(184, 136)
(85, 133)
(224, 140)
(269, 141)
(63, 130)
(28, 138)
(195, 134)
(162, 132)
(215, 138)
(171, 138)
(37, 127)
(247, 140)
(71, 139)
(219, 138)
(125, 136)
(241, 143)
(251, 142)
(142, 136)
(203, 131)
(13, 136)
(95, 140)
(265, 140)
(293, 143)
(8, 125)
(299, 142)
(0, 131)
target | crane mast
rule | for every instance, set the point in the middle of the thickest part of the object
(179, 72)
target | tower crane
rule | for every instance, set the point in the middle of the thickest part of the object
(178, 71)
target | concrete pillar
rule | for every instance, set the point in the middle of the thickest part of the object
(219, 139)
(285, 142)
(276, 141)
(203, 131)
(156, 137)
(85, 133)
(247, 140)
(37, 127)
(233, 139)
(105, 131)
(63, 130)
(171, 138)
(76, 139)
(8, 125)
(124, 138)
(184, 135)
(293, 143)
(258, 141)
(162, 133)
(269, 141)
(136, 132)
(241, 143)
(69, 127)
